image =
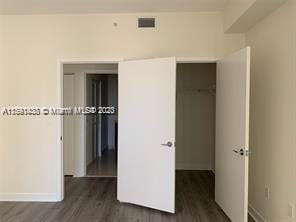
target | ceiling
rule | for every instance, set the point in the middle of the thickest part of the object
(107, 6)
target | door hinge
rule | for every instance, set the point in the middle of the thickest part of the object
(61, 138)
(242, 152)
(247, 153)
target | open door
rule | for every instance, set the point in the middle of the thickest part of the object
(146, 149)
(232, 135)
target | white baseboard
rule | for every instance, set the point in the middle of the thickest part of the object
(29, 197)
(79, 173)
(181, 166)
(256, 215)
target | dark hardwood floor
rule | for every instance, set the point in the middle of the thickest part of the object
(104, 166)
(94, 199)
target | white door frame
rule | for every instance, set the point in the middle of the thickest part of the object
(59, 150)
(197, 59)
(60, 73)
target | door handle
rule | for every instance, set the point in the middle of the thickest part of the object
(169, 144)
(241, 152)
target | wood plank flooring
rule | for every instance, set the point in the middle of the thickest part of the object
(94, 199)
(104, 166)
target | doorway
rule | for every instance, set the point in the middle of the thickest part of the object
(147, 90)
(195, 116)
(146, 170)
(195, 134)
(101, 128)
(88, 138)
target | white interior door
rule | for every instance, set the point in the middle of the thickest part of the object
(68, 125)
(232, 135)
(146, 151)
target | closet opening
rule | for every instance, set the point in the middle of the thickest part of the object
(195, 126)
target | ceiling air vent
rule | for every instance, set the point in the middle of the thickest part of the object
(146, 22)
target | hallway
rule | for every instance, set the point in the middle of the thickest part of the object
(104, 166)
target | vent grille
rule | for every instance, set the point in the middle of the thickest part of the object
(146, 22)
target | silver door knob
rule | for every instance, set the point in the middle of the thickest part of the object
(169, 144)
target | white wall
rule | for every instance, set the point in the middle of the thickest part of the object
(89, 121)
(241, 15)
(68, 125)
(273, 110)
(195, 119)
(31, 46)
(1, 99)
(234, 10)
